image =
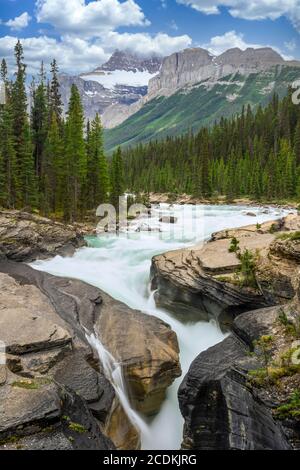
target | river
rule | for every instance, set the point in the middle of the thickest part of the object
(120, 265)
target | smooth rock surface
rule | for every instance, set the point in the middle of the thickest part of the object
(220, 408)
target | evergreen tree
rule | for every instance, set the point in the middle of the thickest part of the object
(27, 196)
(52, 180)
(97, 167)
(39, 122)
(75, 159)
(55, 101)
(117, 178)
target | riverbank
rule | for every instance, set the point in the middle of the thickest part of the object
(232, 396)
(119, 265)
(167, 198)
(53, 385)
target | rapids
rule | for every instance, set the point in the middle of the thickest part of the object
(120, 265)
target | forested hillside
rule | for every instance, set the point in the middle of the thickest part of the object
(49, 163)
(200, 105)
(255, 155)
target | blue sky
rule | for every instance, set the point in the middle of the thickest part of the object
(82, 34)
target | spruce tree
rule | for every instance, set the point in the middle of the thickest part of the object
(75, 159)
(39, 122)
(55, 101)
(97, 167)
(27, 196)
(117, 178)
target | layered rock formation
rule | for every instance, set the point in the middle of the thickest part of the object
(44, 321)
(220, 407)
(202, 281)
(49, 386)
(117, 84)
(196, 65)
(26, 237)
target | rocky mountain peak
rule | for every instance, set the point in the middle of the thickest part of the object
(263, 57)
(129, 62)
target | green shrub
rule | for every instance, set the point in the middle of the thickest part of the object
(292, 408)
(234, 245)
(247, 269)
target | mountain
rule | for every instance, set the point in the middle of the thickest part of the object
(123, 80)
(195, 88)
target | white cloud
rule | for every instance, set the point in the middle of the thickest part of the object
(77, 55)
(250, 9)
(89, 19)
(145, 44)
(231, 39)
(88, 34)
(291, 45)
(20, 22)
(73, 55)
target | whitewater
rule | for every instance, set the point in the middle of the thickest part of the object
(119, 264)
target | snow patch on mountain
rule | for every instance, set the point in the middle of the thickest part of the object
(111, 80)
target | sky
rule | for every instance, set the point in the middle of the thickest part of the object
(82, 34)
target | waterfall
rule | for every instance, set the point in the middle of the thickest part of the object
(114, 374)
(120, 266)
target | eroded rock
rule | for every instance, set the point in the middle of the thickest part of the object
(220, 408)
(27, 237)
(146, 347)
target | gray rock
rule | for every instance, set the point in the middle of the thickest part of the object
(220, 409)
(27, 237)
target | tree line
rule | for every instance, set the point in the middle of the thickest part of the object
(49, 162)
(255, 154)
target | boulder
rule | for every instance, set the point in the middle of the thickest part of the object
(146, 347)
(39, 414)
(45, 350)
(203, 281)
(27, 237)
(220, 408)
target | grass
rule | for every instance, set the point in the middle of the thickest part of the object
(27, 384)
(31, 384)
(292, 328)
(76, 427)
(294, 236)
(291, 409)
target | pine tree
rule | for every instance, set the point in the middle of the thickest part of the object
(75, 159)
(27, 196)
(97, 167)
(52, 180)
(39, 122)
(55, 101)
(117, 178)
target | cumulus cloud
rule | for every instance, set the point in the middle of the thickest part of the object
(74, 55)
(250, 9)
(231, 39)
(89, 19)
(77, 55)
(87, 34)
(145, 44)
(20, 22)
